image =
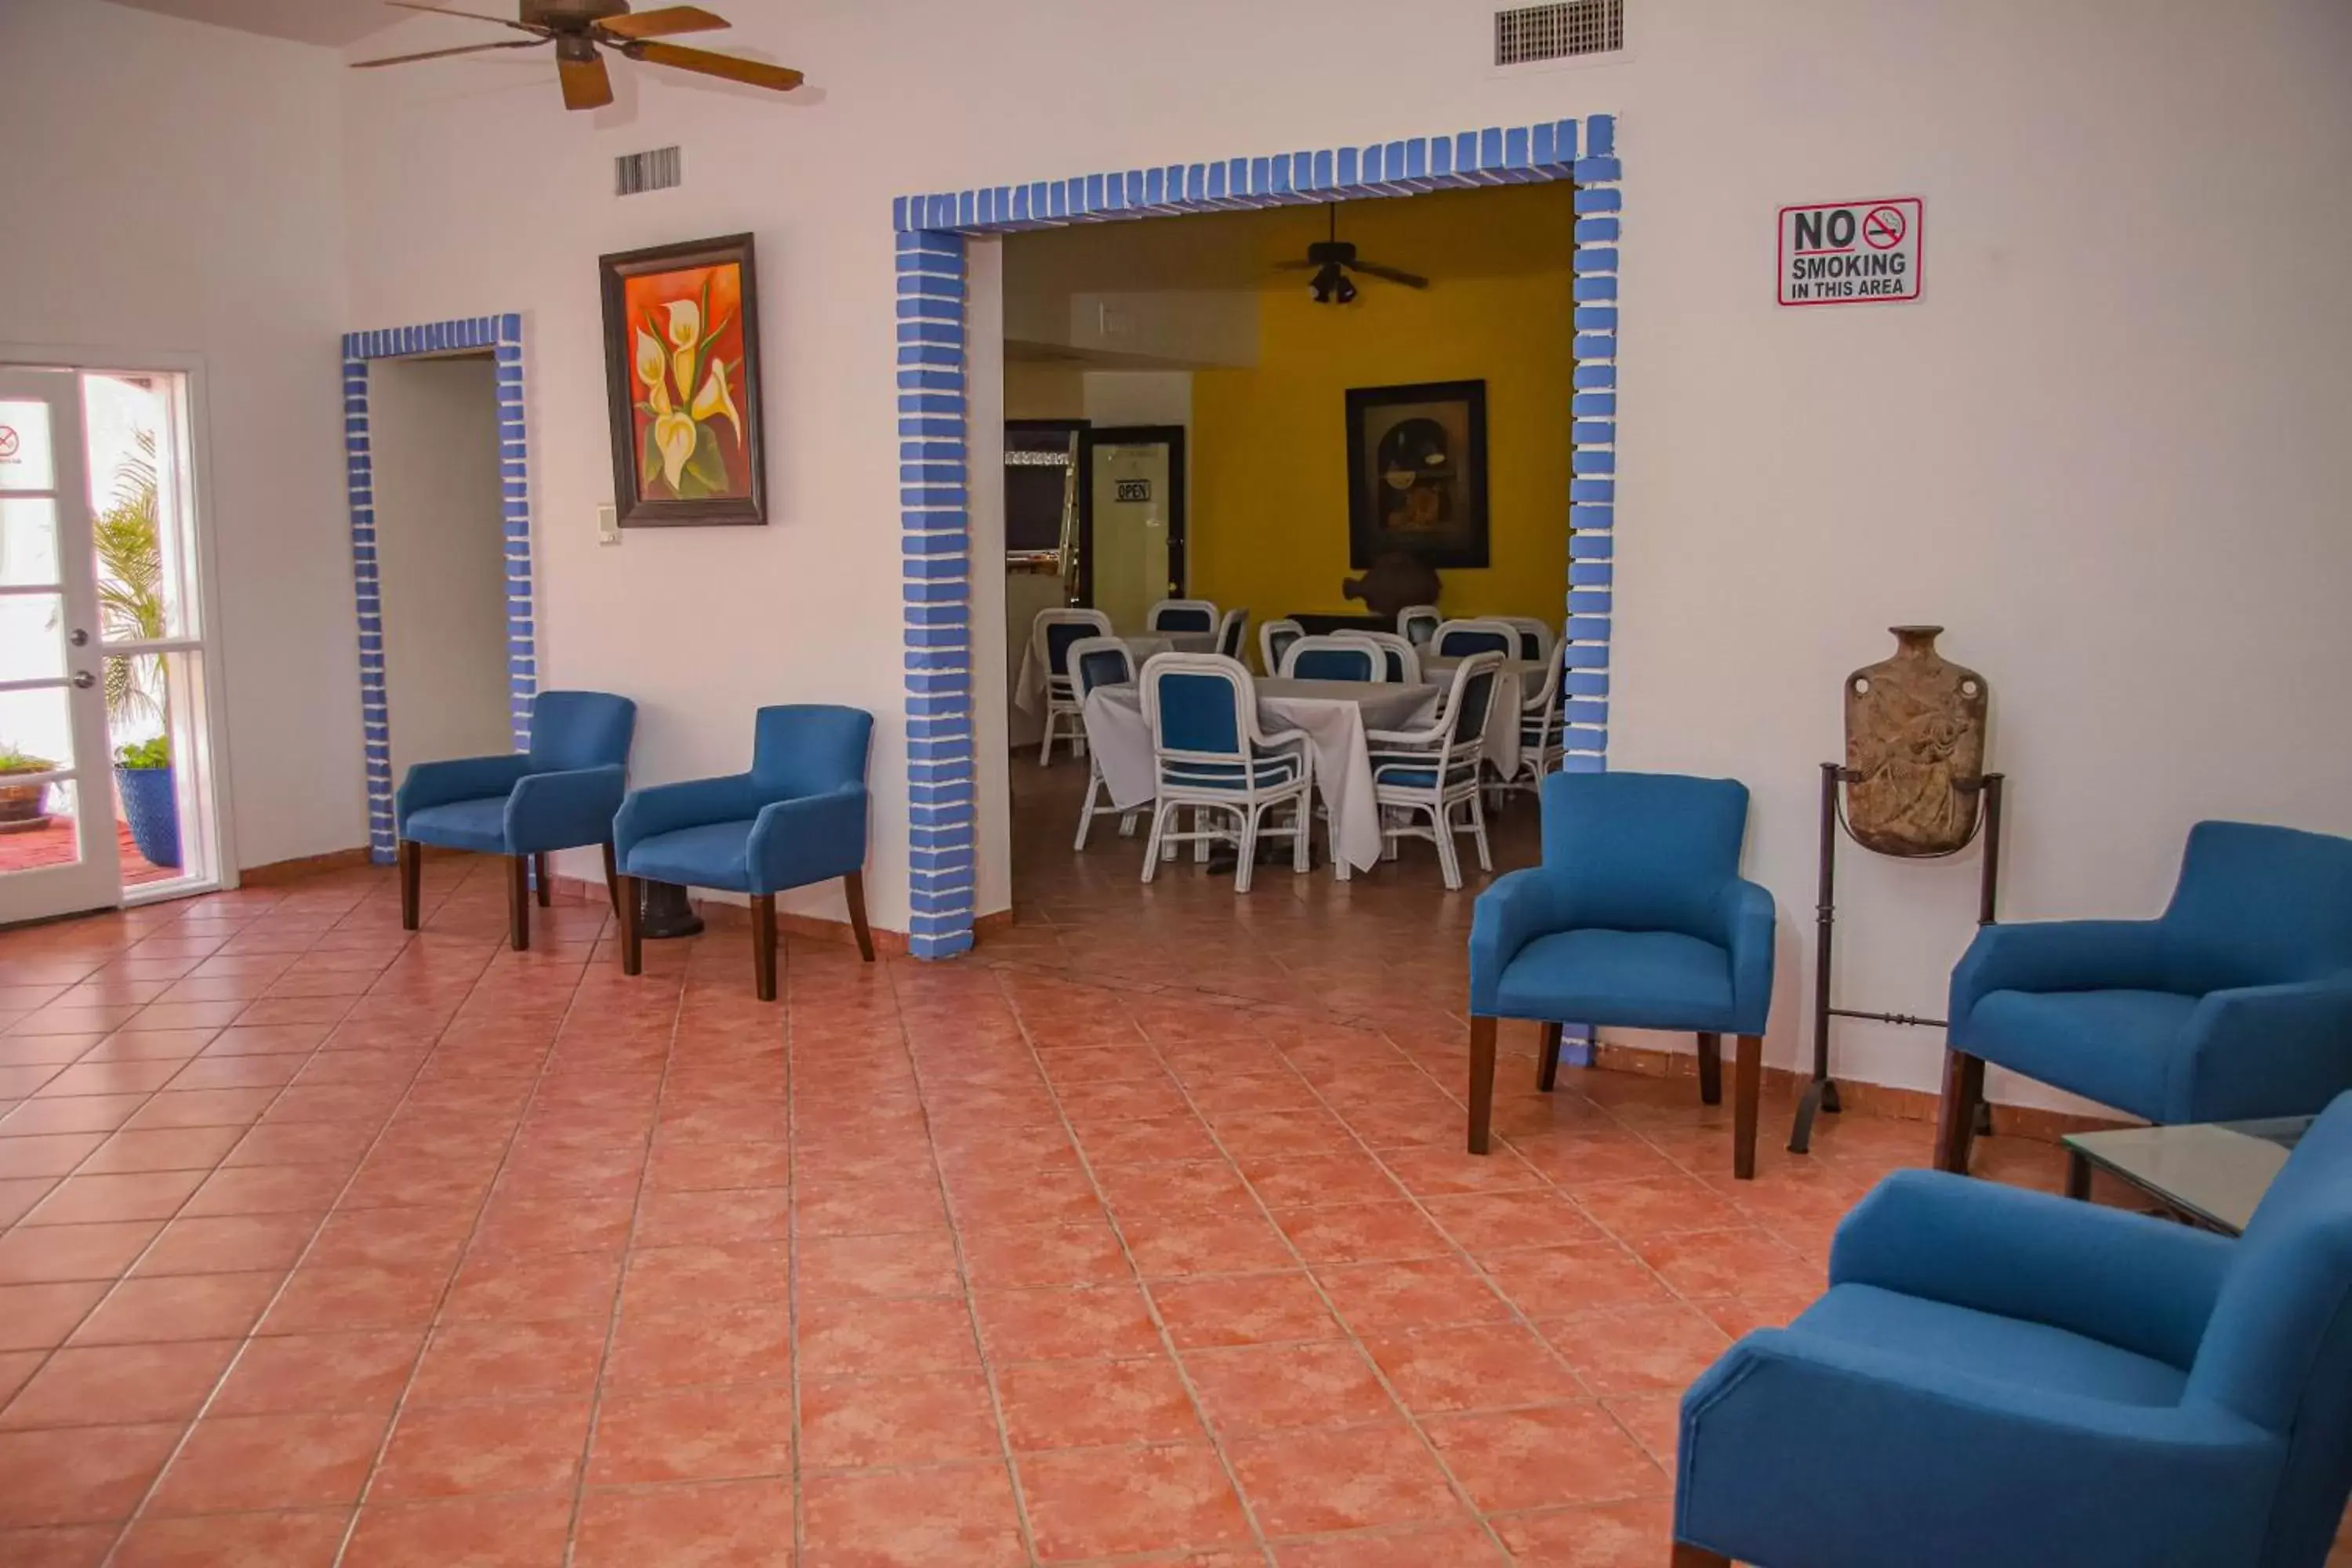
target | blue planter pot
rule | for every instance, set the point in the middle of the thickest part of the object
(152, 806)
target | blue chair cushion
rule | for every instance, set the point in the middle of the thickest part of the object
(478, 825)
(1407, 775)
(1635, 979)
(710, 855)
(1269, 771)
(1996, 1349)
(2115, 1047)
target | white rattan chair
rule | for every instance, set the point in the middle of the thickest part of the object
(1208, 754)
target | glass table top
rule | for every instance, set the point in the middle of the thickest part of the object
(2213, 1171)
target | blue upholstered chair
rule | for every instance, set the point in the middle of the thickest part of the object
(1273, 640)
(1209, 753)
(2236, 1003)
(797, 817)
(2002, 1376)
(1182, 615)
(1455, 639)
(1637, 917)
(560, 794)
(1333, 658)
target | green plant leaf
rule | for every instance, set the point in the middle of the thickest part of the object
(649, 468)
(144, 755)
(707, 468)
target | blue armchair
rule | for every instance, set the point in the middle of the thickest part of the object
(560, 794)
(2236, 1003)
(2005, 1376)
(797, 817)
(1637, 917)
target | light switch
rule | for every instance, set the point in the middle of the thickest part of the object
(608, 525)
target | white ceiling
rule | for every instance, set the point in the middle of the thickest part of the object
(335, 22)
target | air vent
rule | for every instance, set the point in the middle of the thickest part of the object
(1530, 33)
(656, 170)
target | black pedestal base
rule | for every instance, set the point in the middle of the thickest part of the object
(666, 912)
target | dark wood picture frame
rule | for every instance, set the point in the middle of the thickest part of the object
(1459, 407)
(633, 507)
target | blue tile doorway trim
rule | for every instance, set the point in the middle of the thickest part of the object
(933, 412)
(502, 335)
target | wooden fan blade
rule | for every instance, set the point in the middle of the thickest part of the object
(662, 22)
(757, 73)
(1390, 273)
(469, 16)
(586, 84)
(437, 54)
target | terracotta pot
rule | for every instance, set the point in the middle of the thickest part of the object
(1915, 748)
(21, 803)
(1395, 581)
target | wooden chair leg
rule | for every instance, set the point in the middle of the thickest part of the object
(1747, 1089)
(629, 894)
(544, 879)
(1956, 1117)
(611, 880)
(1710, 1068)
(412, 882)
(1547, 1073)
(518, 902)
(763, 944)
(1482, 1081)
(853, 888)
(1689, 1556)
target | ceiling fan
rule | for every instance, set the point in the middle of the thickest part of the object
(1332, 259)
(576, 28)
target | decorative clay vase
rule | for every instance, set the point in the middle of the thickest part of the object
(1396, 581)
(1915, 748)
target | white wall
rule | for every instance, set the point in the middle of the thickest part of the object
(2106, 449)
(433, 432)
(171, 187)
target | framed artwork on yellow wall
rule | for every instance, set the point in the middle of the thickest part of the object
(1417, 473)
(682, 379)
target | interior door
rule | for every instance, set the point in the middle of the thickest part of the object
(58, 853)
(1134, 555)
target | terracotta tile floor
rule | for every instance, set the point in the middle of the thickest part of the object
(1145, 1236)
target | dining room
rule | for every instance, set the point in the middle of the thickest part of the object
(1291, 619)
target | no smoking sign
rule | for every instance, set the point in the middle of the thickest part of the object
(1850, 253)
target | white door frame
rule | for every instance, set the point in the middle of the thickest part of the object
(195, 494)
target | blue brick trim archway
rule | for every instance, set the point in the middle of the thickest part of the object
(502, 335)
(934, 470)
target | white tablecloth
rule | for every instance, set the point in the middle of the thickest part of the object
(1334, 715)
(1517, 679)
(1029, 687)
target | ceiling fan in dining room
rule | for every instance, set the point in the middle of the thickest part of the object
(580, 29)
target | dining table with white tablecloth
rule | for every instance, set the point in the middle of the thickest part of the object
(1029, 686)
(1516, 679)
(1334, 715)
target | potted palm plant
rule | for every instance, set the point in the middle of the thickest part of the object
(131, 608)
(23, 807)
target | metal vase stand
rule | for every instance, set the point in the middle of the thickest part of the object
(666, 912)
(1822, 1094)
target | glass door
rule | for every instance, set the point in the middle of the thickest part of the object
(58, 852)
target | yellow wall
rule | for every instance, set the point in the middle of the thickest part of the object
(1268, 513)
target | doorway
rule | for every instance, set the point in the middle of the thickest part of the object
(107, 758)
(439, 547)
(367, 357)
(1132, 553)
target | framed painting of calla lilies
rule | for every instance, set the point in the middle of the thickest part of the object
(682, 374)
